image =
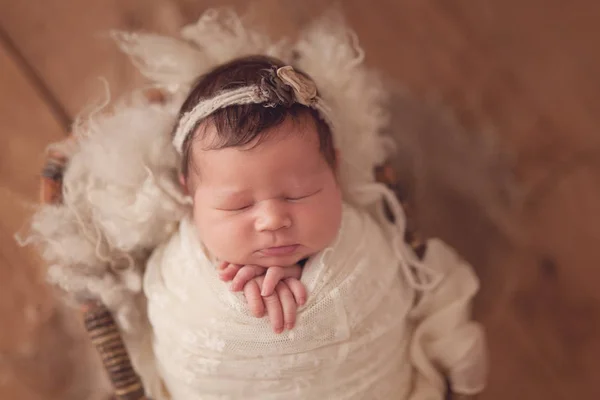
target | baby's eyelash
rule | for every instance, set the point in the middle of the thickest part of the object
(296, 198)
(237, 209)
(302, 197)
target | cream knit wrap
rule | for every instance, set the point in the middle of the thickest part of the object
(354, 338)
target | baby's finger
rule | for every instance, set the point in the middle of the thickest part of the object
(272, 278)
(228, 272)
(298, 290)
(254, 299)
(288, 304)
(222, 265)
(244, 275)
(275, 312)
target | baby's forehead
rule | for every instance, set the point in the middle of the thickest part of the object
(287, 150)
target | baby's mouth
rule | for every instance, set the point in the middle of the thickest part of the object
(280, 250)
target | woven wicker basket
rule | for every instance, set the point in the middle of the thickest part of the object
(99, 323)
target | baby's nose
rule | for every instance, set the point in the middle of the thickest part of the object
(273, 216)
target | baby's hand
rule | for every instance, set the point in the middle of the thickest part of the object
(241, 275)
(276, 289)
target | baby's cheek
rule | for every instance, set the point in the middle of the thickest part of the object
(332, 216)
(225, 238)
(323, 223)
(332, 225)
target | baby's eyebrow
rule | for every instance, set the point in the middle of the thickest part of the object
(226, 193)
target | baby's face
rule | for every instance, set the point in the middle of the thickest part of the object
(270, 205)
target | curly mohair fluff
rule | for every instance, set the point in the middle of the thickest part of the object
(120, 200)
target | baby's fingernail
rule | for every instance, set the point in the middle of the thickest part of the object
(263, 292)
(289, 326)
(278, 330)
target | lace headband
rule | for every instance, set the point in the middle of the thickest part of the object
(283, 86)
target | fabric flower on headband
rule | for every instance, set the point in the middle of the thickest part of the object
(305, 90)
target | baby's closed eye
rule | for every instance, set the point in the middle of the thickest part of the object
(302, 196)
(234, 203)
(237, 207)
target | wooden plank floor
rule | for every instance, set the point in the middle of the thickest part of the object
(526, 70)
(42, 354)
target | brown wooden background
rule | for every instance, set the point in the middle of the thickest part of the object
(528, 68)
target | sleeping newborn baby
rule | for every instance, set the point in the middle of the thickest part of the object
(325, 301)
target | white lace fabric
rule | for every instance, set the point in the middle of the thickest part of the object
(353, 338)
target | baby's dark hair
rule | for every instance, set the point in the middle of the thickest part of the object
(239, 125)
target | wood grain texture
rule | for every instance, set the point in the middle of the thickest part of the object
(525, 70)
(43, 354)
(72, 50)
